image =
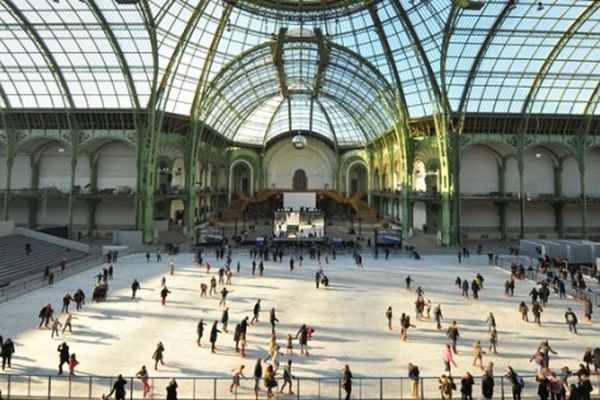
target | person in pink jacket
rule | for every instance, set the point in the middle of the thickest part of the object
(448, 358)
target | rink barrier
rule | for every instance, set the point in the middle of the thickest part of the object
(59, 387)
(34, 282)
(506, 261)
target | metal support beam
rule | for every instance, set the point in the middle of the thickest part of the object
(194, 140)
(278, 61)
(324, 48)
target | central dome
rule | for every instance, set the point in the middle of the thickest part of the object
(304, 10)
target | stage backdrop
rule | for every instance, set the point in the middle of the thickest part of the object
(297, 200)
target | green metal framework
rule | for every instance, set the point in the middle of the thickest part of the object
(359, 73)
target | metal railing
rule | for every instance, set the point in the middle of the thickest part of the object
(363, 388)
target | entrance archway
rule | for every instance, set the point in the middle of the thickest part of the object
(241, 176)
(357, 179)
(300, 182)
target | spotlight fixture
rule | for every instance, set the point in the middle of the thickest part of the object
(540, 6)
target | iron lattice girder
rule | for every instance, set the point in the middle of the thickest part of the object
(278, 62)
(324, 49)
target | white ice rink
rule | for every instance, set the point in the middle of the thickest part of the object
(119, 335)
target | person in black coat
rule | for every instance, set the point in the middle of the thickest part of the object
(487, 386)
(63, 356)
(346, 381)
(8, 349)
(214, 332)
(302, 335)
(119, 388)
(200, 331)
(135, 286)
(79, 298)
(172, 390)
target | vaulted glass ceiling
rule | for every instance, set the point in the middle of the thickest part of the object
(254, 69)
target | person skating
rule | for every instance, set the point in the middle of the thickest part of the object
(257, 375)
(224, 293)
(261, 268)
(63, 356)
(135, 286)
(200, 331)
(158, 256)
(466, 386)
(270, 382)
(213, 286)
(491, 322)
(79, 298)
(571, 320)
(346, 381)
(171, 267)
(448, 359)
(255, 312)
(225, 319)
(66, 302)
(243, 344)
(237, 374)
(144, 377)
(214, 332)
(465, 288)
(453, 334)
(478, 354)
(437, 315)
(475, 289)
(408, 281)
(388, 315)
(7, 349)
(45, 315)
(119, 388)
(302, 336)
(545, 349)
(67, 324)
(537, 310)
(493, 341)
(273, 319)
(287, 378)
(237, 336)
(55, 326)
(164, 292)
(587, 309)
(289, 344)
(157, 356)
(172, 389)
(524, 310)
(72, 364)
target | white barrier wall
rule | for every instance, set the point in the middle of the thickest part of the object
(478, 171)
(117, 167)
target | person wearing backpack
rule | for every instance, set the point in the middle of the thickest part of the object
(516, 382)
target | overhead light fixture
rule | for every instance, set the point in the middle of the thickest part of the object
(61, 149)
(471, 5)
(540, 6)
(538, 155)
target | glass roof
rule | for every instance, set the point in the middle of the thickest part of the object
(247, 67)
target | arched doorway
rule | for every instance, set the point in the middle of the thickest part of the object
(241, 178)
(299, 182)
(357, 179)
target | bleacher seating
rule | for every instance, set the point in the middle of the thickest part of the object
(15, 264)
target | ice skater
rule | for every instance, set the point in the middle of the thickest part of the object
(118, 388)
(144, 377)
(388, 315)
(67, 324)
(237, 374)
(157, 356)
(224, 293)
(273, 319)
(524, 310)
(287, 378)
(163, 295)
(72, 364)
(453, 334)
(437, 315)
(571, 320)
(63, 356)
(200, 331)
(255, 312)
(478, 354)
(171, 267)
(214, 332)
(225, 319)
(66, 302)
(135, 286)
(55, 326)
